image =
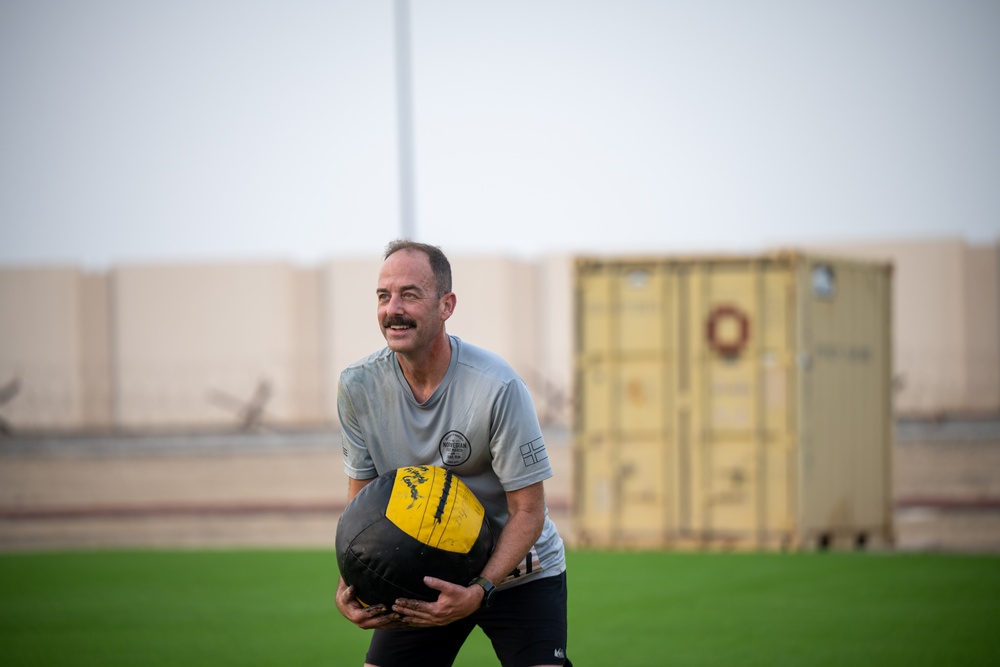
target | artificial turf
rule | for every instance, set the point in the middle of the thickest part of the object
(276, 608)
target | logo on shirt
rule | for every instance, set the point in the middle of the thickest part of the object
(534, 452)
(455, 448)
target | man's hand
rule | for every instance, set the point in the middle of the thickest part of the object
(367, 618)
(454, 602)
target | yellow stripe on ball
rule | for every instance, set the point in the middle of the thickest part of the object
(435, 507)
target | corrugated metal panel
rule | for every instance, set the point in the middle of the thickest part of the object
(697, 423)
(845, 427)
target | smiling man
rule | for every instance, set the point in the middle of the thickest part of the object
(430, 398)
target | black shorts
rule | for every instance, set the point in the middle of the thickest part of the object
(526, 624)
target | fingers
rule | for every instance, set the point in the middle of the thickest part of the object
(418, 613)
(376, 617)
(437, 584)
(368, 618)
(380, 617)
(344, 595)
(445, 588)
(453, 603)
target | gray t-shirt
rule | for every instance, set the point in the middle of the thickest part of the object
(480, 423)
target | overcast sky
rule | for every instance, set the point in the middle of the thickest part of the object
(238, 129)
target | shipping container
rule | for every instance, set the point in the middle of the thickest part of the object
(734, 402)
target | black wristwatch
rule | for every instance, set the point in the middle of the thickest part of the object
(488, 588)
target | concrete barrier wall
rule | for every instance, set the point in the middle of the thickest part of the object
(234, 345)
(552, 383)
(42, 369)
(981, 293)
(214, 346)
(96, 338)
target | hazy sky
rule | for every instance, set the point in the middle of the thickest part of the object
(224, 129)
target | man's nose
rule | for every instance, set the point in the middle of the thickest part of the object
(395, 304)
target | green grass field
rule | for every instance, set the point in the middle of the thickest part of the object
(276, 608)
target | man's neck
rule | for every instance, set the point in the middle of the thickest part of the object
(425, 372)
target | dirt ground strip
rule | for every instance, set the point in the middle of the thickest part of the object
(268, 490)
(214, 491)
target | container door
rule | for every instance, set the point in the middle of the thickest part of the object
(621, 460)
(846, 411)
(739, 452)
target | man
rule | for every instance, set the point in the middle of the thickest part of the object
(429, 398)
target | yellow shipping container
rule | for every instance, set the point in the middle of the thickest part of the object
(733, 402)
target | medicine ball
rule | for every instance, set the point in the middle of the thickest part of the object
(407, 524)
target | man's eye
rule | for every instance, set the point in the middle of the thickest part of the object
(383, 297)
(409, 295)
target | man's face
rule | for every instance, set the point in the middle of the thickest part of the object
(410, 313)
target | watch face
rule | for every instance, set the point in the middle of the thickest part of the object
(824, 283)
(488, 590)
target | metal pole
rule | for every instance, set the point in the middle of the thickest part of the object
(404, 119)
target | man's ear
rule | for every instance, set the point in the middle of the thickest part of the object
(448, 302)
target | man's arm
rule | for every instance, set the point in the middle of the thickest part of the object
(354, 486)
(524, 526)
(526, 518)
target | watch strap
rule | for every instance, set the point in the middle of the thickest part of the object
(488, 589)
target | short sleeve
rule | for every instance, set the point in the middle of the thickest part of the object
(358, 462)
(519, 455)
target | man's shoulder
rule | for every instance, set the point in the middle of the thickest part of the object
(377, 361)
(483, 362)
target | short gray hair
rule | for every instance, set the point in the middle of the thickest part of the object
(440, 266)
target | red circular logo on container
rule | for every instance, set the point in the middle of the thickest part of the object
(727, 346)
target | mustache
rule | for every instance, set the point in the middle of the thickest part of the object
(398, 321)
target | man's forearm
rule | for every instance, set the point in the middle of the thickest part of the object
(519, 534)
